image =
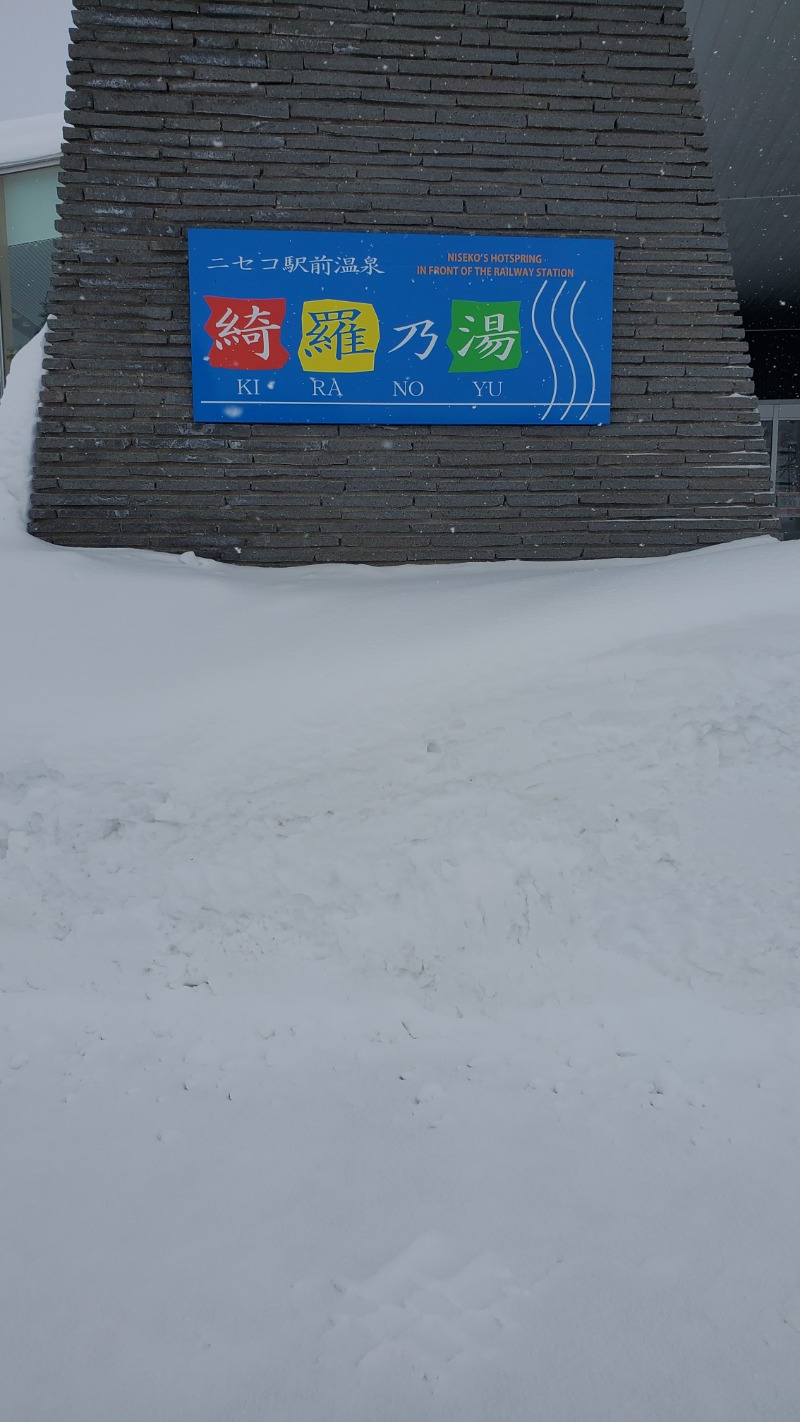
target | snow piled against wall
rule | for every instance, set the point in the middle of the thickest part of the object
(18, 409)
(398, 985)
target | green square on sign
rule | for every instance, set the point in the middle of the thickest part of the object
(485, 335)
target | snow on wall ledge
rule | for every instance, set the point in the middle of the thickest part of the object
(386, 117)
(29, 140)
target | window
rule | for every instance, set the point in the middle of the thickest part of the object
(787, 469)
(781, 424)
(27, 232)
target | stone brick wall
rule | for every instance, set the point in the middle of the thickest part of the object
(557, 119)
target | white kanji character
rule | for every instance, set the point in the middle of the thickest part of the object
(495, 340)
(254, 329)
(426, 332)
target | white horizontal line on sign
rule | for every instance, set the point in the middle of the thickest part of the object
(413, 404)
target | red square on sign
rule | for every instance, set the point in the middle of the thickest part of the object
(246, 334)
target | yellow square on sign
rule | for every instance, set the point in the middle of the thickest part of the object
(339, 336)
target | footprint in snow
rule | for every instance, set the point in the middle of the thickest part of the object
(423, 1308)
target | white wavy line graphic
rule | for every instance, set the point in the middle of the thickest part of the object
(583, 348)
(545, 348)
(561, 343)
(586, 353)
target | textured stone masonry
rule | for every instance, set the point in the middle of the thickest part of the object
(465, 116)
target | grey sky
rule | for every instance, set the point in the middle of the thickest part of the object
(33, 56)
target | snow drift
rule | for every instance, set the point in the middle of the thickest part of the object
(399, 969)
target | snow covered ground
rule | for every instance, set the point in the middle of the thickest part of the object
(399, 986)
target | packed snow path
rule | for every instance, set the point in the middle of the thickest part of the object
(398, 987)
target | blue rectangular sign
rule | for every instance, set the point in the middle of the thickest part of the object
(387, 328)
